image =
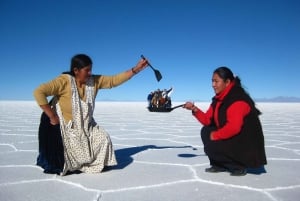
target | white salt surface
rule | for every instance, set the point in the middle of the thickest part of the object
(160, 158)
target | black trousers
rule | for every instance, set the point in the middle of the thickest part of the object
(220, 152)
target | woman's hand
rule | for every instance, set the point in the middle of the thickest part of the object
(188, 105)
(141, 65)
(54, 120)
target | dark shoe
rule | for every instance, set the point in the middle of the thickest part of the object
(52, 171)
(240, 172)
(215, 169)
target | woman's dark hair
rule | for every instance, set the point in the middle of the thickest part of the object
(79, 61)
(226, 74)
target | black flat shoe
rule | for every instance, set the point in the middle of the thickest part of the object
(215, 169)
(241, 172)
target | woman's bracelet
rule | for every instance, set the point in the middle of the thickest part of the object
(133, 71)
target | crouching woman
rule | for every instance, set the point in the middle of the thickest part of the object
(232, 133)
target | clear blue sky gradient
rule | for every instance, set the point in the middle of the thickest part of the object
(185, 39)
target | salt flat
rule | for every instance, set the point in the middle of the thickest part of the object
(160, 157)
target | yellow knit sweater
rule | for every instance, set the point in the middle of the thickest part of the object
(61, 88)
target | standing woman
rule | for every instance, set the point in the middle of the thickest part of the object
(69, 137)
(232, 133)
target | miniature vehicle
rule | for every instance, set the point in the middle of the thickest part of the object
(160, 101)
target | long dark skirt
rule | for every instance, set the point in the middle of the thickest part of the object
(238, 152)
(51, 153)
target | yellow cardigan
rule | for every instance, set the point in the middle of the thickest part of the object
(61, 88)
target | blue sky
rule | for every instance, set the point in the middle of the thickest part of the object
(184, 39)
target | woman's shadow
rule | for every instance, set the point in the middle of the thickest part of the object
(124, 156)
